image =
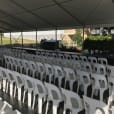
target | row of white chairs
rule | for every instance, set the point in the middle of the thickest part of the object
(48, 93)
(80, 81)
(75, 65)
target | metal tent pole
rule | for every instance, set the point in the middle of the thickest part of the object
(1, 39)
(10, 40)
(83, 37)
(56, 34)
(56, 38)
(36, 38)
(22, 38)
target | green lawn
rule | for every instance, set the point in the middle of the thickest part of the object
(16, 41)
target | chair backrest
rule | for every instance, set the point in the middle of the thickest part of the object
(75, 57)
(111, 85)
(92, 60)
(67, 56)
(39, 88)
(59, 74)
(76, 65)
(32, 65)
(69, 74)
(41, 70)
(54, 94)
(99, 69)
(83, 58)
(103, 61)
(86, 66)
(72, 101)
(100, 81)
(93, 106)
(26, 63)
(110, 71)
(19, 79)
(85, 78)
(28, 86)
(49, 72)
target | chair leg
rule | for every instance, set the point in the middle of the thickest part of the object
(19, 94)
(47, 105)
(54, 109)
(29, 100)
(11, 89)
(34, 98)
(40, 104)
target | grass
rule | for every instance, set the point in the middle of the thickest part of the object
(17, 41)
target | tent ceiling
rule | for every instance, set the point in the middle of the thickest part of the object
(25, 15)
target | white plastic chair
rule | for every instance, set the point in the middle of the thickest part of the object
(72, 101)
(99, 69)
(93, 106)
(92, 60)
(110, 71)
(83, 58)
(49, 73)
(59, 75)
(26, 67)
(75, 57)
(103, 61)
(20, 82)
(40, 90)
(41, 71)
(32, 68)
(4, 77)
(7, 62)
(54, 95)
(86, 66)
(29, 88)
(111, 85)
(99, 82)
(85, 81)
(11, 81)
(70, 77)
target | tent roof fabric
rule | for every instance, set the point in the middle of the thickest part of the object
(26, 15)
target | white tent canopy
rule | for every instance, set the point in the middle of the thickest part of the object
(25, 15)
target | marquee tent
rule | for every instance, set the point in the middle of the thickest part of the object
(25, 15)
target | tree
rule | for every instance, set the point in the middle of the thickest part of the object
(77, 38)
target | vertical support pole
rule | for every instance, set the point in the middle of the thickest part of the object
(83, 37)
(36, 38)
(56, 34)
(56, 38)
(1, 39)
(10, 40)
(22, 38)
